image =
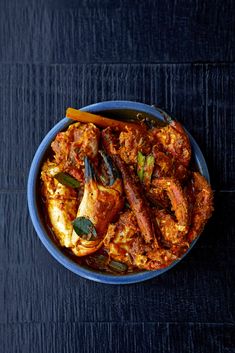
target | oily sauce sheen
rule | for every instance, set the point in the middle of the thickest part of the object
(134, 183)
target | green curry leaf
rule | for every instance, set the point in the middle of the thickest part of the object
(67, 180)
(118, 266)
(84, 228)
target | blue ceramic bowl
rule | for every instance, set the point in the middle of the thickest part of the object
(114, 109)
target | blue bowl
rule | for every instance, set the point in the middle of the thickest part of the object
(110, 108)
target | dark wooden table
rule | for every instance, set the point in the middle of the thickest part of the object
(55, 54)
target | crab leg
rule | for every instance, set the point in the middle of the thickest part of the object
(202, 204)
(179, 203)
(133, 190)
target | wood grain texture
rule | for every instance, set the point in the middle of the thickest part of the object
(54, 54)
(114, 337)
(34, 97)
(121, 31)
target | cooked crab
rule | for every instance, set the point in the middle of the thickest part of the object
(168, 166)
(125, 244)
(131, 142)
(137, 207)
(178, 201)
(201, 197)
(72, 145)
(61, 203)
(100, 204)
(133, 189)
(172, 139)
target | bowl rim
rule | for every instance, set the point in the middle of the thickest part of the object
(53, 249)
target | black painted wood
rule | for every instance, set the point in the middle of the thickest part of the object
(54, 54)
(117, 31)
(116, 337)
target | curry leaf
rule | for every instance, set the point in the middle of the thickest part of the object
(67, 180)
(118, 266)
(84, 228)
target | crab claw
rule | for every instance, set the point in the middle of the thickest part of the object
(100, 204)
(112, 171)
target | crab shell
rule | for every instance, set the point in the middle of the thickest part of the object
(61, 203)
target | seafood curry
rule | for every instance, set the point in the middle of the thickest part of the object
(123, 196)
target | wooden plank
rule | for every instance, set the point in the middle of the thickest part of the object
(179, 54)
(35, 288)
(191, 292)
(34, 97)
(115, 337)
(120, 31)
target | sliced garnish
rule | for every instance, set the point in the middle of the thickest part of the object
(148, 169)
(140, 165)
